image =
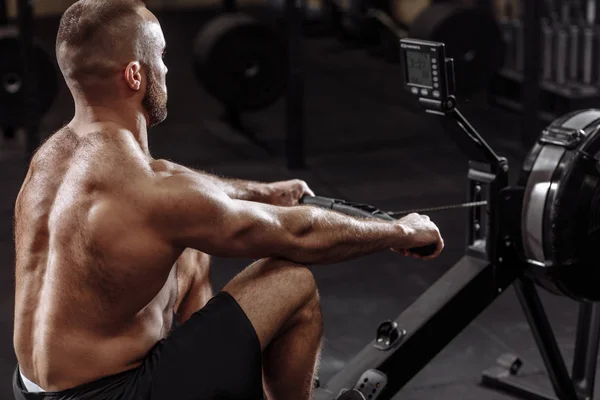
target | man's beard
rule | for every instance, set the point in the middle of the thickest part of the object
(155, 101)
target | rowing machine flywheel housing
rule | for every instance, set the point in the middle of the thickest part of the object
(560, 221)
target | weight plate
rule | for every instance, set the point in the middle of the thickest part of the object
(314, 11)
(351, 22)
(405, 11)
(13, 98)
(389, 35)
(472, 37)
(241, 62)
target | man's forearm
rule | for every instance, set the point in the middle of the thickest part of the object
(240, 189)
(326, 237)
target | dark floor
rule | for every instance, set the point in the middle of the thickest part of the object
(363, 144)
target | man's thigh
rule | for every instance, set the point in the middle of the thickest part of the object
(272, 293)
(215, 354)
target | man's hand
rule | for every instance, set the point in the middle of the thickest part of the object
(287, 193)
(420, 232)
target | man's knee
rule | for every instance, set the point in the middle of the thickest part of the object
(311, 312)
(197, 256)
(302, 279)
(296, 275)
(275, 295)
(195, 259)
(308, 304)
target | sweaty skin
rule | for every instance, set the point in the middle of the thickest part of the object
(93, 286)
(100, 225)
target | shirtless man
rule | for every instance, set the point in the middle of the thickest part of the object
(111, 244)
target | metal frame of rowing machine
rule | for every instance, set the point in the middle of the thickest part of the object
(490, 265)
(493, 261)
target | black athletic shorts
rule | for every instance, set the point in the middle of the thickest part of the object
(215, 355)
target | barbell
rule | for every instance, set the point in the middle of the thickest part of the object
(241, 62)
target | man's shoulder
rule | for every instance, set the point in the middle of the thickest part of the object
(67, 141)
(62, 142)
(99, 163)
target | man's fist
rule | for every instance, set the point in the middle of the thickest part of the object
(287, 193)
(419, 231)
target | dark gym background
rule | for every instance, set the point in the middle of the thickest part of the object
(364, 143)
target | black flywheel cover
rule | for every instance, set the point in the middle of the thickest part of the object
(560, 221)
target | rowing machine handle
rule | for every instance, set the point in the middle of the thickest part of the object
(360, 210)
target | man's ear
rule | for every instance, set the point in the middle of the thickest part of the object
(133, 75)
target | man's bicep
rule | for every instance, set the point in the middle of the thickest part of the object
(189, 211)
(181, 208)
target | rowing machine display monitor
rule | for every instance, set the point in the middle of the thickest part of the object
(428, 73)
(429, 76)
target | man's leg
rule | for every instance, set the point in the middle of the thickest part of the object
(281, 301)
(193, 280)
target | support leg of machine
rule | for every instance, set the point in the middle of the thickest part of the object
(498, 378)
(503, 379)
(544, 337)
(586, 349)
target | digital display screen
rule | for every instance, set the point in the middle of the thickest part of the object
(418, 68)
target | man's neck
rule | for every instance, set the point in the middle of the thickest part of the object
(121, 115)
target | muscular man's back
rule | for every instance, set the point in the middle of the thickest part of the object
(94, 286)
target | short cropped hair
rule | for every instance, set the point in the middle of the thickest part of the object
(96, 36)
